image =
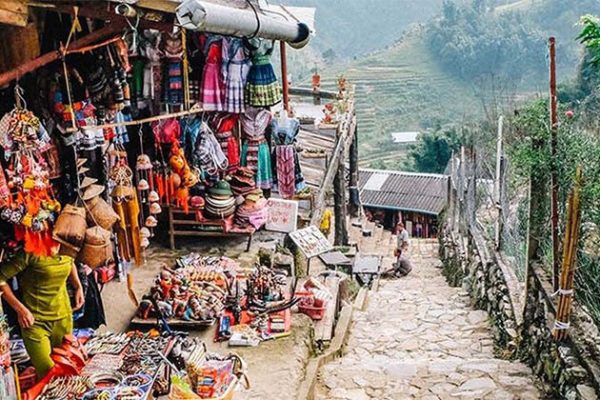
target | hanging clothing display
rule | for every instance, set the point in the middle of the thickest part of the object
(212, 91)
(262, 87)
(255, 150)
(288, 173)
(228, 141)
(236, 66)
(173, 51)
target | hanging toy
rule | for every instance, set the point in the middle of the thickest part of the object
(26, 198)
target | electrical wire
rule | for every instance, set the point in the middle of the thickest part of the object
(255, 34)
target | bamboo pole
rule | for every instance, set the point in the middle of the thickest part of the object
(193, 110)
(566, 291)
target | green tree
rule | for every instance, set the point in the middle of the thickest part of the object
(434, 149)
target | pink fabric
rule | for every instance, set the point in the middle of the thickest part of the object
(286, 178)
(212, 93)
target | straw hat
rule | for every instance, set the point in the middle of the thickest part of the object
(83, 170)
(92, 191)
(86, 182)
(81, 162)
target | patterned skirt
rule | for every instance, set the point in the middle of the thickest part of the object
(234, 88)
(262, 88)
(257, 157)
(211, 94)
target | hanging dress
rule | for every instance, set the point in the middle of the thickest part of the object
(262, 87)
(236, 66)
(255, 150)
(288, 174)
(211, 94)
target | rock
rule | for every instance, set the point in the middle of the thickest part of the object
(401, 370)
(356, 394)
(338, 393)
(475, 387)
(587, 392)
(488, 367)
(477, 317)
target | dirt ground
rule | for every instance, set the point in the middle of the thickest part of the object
(273, 366)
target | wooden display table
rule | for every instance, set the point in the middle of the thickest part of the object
(188, 224)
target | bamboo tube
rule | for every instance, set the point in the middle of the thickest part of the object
(567, 277)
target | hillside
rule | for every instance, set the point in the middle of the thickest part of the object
(407, 86)
(350, 28)
(401, 88)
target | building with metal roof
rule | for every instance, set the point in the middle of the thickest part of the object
(416, 199)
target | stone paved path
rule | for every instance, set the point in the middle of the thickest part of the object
(420, 339)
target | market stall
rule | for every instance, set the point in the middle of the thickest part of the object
(123, 118)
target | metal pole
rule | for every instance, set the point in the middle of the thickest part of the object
(554, 173)
(284, 77)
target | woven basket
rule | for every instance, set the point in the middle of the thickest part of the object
(68, 250)
(70, 226)
(101, 213)
(97, 249)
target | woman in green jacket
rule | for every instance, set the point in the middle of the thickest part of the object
(44, 311)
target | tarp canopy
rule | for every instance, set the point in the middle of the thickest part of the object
(242, 18)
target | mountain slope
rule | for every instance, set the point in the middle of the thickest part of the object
(401, 88)
(357, 27)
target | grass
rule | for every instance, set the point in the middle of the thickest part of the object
(401, 88)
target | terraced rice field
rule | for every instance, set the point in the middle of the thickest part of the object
(401, 88)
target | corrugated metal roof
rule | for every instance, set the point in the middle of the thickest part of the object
(404, 191)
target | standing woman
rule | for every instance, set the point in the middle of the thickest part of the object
(45, 313)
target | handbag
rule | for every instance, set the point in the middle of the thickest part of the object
(70, 226)
(97, 249)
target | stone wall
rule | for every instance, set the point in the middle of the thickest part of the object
(523, 327)
(567, 369)
(468, 262)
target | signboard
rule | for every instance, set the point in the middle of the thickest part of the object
(311, 241)
(283, 215)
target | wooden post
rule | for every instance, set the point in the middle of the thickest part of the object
(339, 197)
(461, 191)
(554, 172)
(473, 196)
(353, 184)
(284, 76)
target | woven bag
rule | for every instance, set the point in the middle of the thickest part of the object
(97, 249)
(101, 213)
(70, 226)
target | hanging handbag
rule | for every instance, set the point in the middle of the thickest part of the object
(101, 213)
(97, 249)
(70, 226)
